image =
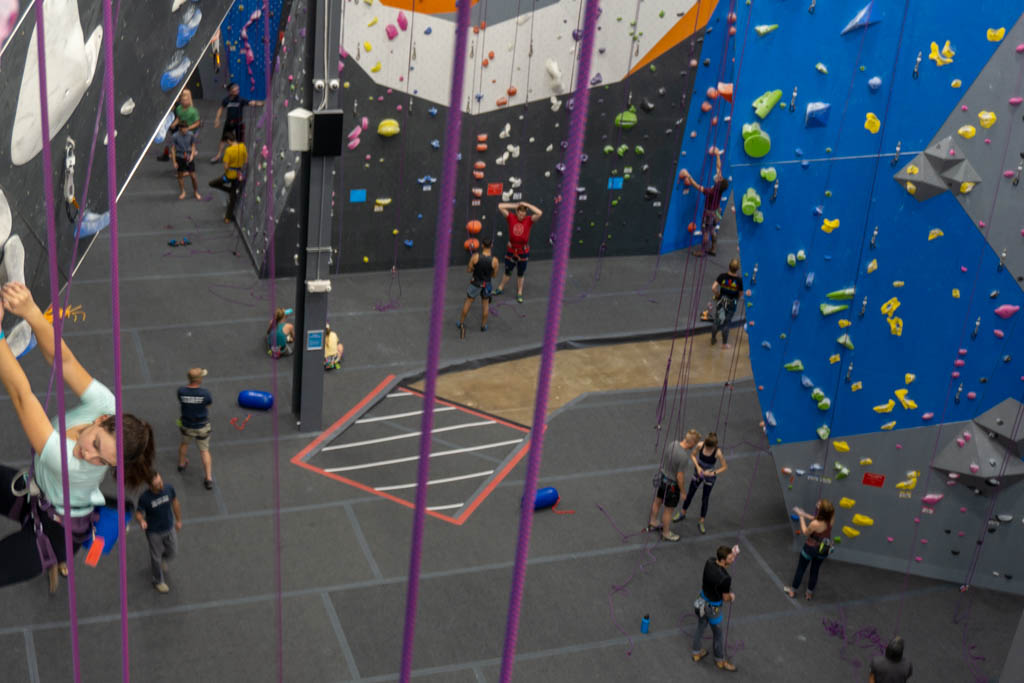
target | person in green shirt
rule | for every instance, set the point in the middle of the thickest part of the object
(186, 118)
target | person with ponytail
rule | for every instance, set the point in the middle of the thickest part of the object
(34, 498)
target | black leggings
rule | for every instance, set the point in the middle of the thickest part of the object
(19, 556)
(815, 561)
(695, 482)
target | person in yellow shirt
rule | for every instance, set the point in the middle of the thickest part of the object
(332, 349)
(236, 156)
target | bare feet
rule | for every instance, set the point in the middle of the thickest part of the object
(789, 591)
(181, 196)
(199, 196)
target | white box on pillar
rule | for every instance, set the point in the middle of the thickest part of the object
(300, 129)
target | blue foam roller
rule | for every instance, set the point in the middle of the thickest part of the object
(546, 497)
(256, 400)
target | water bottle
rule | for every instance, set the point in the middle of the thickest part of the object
(645, 624)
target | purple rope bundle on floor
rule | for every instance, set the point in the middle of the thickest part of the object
(442, 246)
(560, 262)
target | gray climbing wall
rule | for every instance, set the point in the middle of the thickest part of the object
(153, 55)
(516, 119)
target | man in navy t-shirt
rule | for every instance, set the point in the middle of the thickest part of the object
(159, 515)
(195, 423)
(232, 108)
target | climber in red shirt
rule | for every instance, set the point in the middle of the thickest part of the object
(517, 253)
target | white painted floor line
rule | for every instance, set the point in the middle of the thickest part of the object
(435, 508)
(398, 415)
(447, 480)
(400, 394)
(398, 461)
(410, 435)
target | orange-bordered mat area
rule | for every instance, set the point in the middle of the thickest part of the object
(375, 448)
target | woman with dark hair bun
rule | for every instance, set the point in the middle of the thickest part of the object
(818, 530)
(34, 498)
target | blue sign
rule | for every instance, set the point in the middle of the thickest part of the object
(315, 340)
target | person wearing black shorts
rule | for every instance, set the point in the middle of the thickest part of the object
(483, 265)
(232, 109)
(184, 143)
(670, 484)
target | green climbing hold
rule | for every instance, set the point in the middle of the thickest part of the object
(764, 104)
(817, 394)
(801, 255)
(823, 432)
(608, 149)
(829, 309)
(654, 67)
(824, 404)
(842, 472)
(769, 174)
(639, 150)
(621, 151)
(756, 142)
(765, 29)
(758, 217)
(845, 294)
(794, 365)
(844, 340)
(791, 260)
(626, 119)
(750, 202)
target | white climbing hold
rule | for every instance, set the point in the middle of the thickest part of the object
(128, 107)
(506, 132)
(556, 104)
(554, 74)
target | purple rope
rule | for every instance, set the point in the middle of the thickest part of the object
(58, 326)
(115, 296)
(442, 247)
(563, 235)
(270, 229)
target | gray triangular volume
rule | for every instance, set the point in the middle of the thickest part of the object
(927, 182)
(1006, 421)
(961, 172)
(991, 458)
(943, 154)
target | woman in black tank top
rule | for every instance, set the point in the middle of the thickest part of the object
(818, 530)
(709, 462)
(482, 266)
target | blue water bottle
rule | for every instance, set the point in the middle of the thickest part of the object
(645, 624)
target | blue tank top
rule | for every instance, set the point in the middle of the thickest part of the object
(277, 337)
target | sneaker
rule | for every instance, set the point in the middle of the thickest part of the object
(519, 298)
(483, 328)
(498, 292)
(208, 483)
(652, 527)
(697, 656)
(670, 537)
(701, 527)
(725, 666)
(678, 515)
(161, 587)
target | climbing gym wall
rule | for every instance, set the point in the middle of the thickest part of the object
(875, 156)
(520, 69)
(153, 56)
(241, 36)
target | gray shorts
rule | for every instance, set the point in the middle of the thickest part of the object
(201, 436)
(483, 291)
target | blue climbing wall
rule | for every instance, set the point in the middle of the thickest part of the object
(842, 171)
(241, 35)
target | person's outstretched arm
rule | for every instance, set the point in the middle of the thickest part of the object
(18, 300)
(718, 164)
(505, 207)
(26, 406)
(537, 213)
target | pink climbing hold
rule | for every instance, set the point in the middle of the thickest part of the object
(918, 559)
(988, 141)
(982, 224)
(974, 468)
(353, 142)
(956, 375)
(899, 447)
(890, 539)
(1014, 101)
(917, 520)
(342, 52)
(959, 362)
(264, 152)
(1008, 173)
(971, 396)
(963, 107)
(927, 416)
(364, 123)
(932, 498)
(967, 436)
(1020, 48)
(962, 352)
(1006, 310)
(924, 541)
(963, 269)
(392, 31)
(961, 533)
(355, 132)
(963, 510)
(403, 21)
(960, 442)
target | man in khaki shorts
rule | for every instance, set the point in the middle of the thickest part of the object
(195, 422)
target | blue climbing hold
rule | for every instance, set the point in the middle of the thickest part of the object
(546, 497)
(189, 25)
(435, 143)
(176, 70)
(816, 115)
(256, 400)
(432, 111)
(427, 31)
(408, 243)
(92, 223)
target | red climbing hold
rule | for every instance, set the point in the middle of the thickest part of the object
(472, 244)
(474, 227)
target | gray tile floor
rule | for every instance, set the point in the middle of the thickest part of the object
(344, 553)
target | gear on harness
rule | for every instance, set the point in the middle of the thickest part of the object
(68, 184)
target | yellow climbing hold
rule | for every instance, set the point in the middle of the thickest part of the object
(373, 22)
(890, 306)
(966, 187)
(367, 46)
(956, 83)
(966, 132)
(935, 233)
(897, 283)
(895, 326)
(909, 378)
(841, 446)
(943, 57)
(366, 259)
(864, 462)
(857, 386)
(822, 69)
(847, 503)
(888, 426)
(912, 169)
(850, 532)
(885, 407)
(844, 323)
(987, 119)
(873, 265)
(833, 359)
(395, 231)
(382, 201)
(863, 520)
(388, 128)
(994, 35)
(907, 484)
(911, 188)
(375, 68)
(871, 123)
(908, 404)
(828, 225)
(956, 293)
